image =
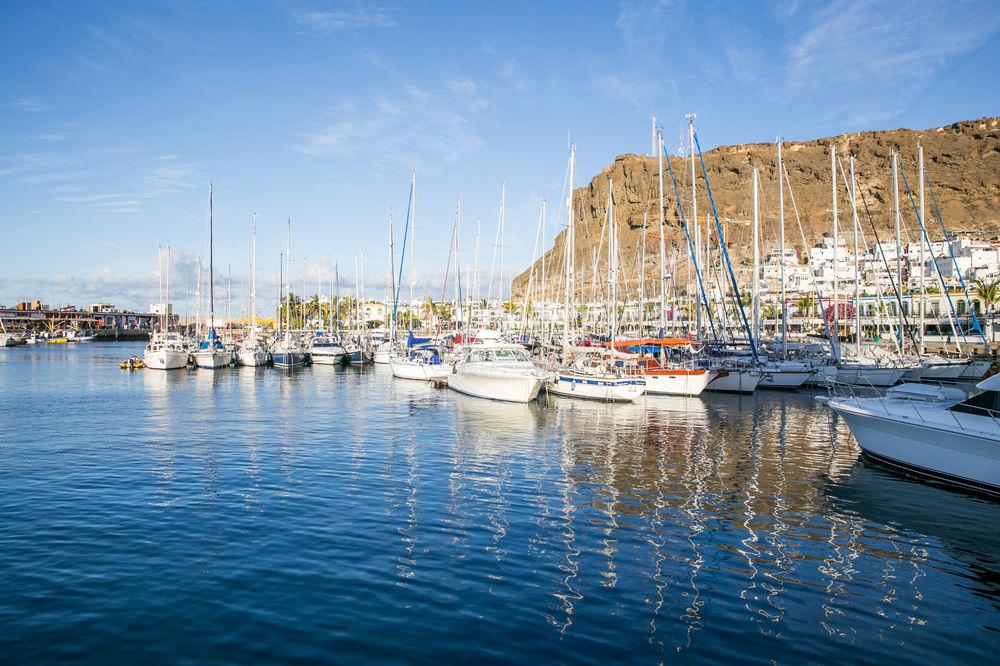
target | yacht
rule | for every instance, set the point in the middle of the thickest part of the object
(497, 371)
(591, 376)
(288, 353)
(933, 430)
(326, 349)
(166, 351)
(251, 352)
(358, 352)
(424, 362)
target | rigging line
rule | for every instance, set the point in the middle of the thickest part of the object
(895, 287)
(975, 320)
(930, 251)
(687, 234)
(725, 252)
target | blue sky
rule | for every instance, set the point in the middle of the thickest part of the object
(114, 117)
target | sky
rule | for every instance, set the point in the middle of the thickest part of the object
(116, 116)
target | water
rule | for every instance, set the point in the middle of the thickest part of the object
(326, 514)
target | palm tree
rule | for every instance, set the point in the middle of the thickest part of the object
(805, 305)
(989, 293)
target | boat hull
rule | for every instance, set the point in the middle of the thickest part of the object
(503, 387)
(359, 357)
(735, 381)
(784, 379)
(419, 371)
(612, 389)
(677, 382)
(951, 454)
(162, 359)
(288, 359)
(212, 360)
(251, 357)
(869, 376)
(325, 356)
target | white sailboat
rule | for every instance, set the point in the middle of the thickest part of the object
(287, 352)
(422, 362)
(251, 351)
(211, 353)
(166, 350)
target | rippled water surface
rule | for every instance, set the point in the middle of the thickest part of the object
(326, 514)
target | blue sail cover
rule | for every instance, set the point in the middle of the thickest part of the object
(211, 341)
(411, 340)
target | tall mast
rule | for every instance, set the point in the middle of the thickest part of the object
(781, 228)
(392, 283)
(569, 297)
(836, 243)
(288, 276)
(756, 258)
(166, 304)
(413, 229)
(899, 251)
(920, 166)
(612, 264)
(541, 301)
(857, 283)
(699, 259)
(159, 277)
(663, 250)
(211, 265)
(253, 273)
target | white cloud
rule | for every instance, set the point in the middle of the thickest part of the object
(26, 104)
(344, 16)
(433, 123)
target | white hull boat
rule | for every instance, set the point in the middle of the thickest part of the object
(785, 375)
(677, 381)
(212, 359)
(497, 372)
(165, 359)
(868, 375)
(251, 357)
(406, 369)
(930, 430)
(735, 380)
(596, 387)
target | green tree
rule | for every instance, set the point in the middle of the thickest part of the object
(988, 291)
(806, 304)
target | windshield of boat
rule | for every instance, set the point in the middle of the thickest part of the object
(499, 355)
(986, 403)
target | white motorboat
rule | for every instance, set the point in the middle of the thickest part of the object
(383, 353)
(497, 371)
(933, 430)
(424, 363)
(326, 350)
(590, 377)
(166, 351)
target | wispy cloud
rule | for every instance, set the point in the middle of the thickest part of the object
(26, 105)
(341, 16)
(169, 178)
(433, 123)
(854, 48)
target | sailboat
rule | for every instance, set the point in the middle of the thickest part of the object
(594, 375)
(287, 352)
(166, 349)
(211, 353)
(251, 352)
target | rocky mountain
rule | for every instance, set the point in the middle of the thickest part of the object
(962, 162)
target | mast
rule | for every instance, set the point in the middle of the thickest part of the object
(211, 266)
(166, 305)
(391, 283)
(541, 301)
(899, 251)
(612, 266)
(836, 243)
(781, 232)
(699, 259)
(412, 231)
(253, 274)
(288, 276)
(569, 296)
(857, 283)
(756, 257)
(920, 166)
(159, 277)
(663, 251)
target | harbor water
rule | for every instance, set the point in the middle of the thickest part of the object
(330, 514)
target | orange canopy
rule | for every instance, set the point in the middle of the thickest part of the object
(655, 342)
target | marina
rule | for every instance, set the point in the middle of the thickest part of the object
(698, 529)
(642, 332)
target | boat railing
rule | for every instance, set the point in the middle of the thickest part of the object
(855, 392)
